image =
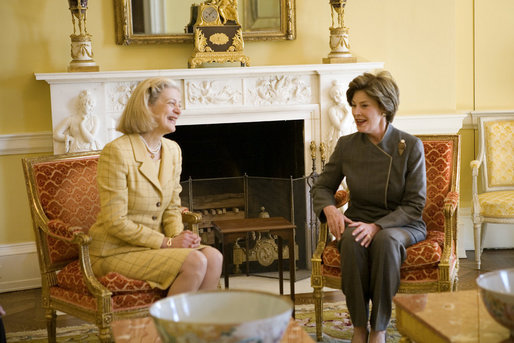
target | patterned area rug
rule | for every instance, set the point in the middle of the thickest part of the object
(337, 327)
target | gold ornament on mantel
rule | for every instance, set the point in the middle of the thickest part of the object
(81, 50)
(339, 41)
(218, 37)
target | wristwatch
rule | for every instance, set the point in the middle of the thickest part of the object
(169, 243)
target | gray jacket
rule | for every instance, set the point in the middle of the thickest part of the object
(386, 188)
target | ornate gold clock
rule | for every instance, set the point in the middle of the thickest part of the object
(217, 34)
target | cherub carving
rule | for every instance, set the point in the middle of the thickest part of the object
(78, 131)
(341, 122)
(337, 12)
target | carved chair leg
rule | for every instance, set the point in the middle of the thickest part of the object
(478, 246)
(51, 325)
(318, 312)
(105, 334)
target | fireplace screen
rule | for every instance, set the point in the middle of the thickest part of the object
(250, 197)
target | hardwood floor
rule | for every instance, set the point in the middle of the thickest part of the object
(24, 311)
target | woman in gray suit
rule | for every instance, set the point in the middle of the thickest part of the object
(385, 173)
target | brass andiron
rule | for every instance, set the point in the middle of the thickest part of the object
(323, 155)
(81, 50)
(339, 41)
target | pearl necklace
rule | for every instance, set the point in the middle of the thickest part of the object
(154, 152)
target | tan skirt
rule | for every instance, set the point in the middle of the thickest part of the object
(158, 267)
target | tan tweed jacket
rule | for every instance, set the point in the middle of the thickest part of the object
(139, 204)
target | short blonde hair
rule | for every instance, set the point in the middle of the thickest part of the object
(380, 87)
(137, 116)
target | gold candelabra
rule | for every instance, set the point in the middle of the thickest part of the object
(339, 38)
(81, 49)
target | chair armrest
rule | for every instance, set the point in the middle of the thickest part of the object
(341, 197)
(322, 241)
(451, 205)
(191, 218)
(451, 202)
(75, 235)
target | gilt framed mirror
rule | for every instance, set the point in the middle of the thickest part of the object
(171, 21)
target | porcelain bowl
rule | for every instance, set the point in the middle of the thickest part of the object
(497, 290)
(222, 316)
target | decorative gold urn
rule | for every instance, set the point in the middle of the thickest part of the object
(218, 37)
(81, 49)
(339, 39)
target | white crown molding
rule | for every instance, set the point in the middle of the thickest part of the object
(26, 143)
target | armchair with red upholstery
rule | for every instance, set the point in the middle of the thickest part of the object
(431, 265)
(64, 203)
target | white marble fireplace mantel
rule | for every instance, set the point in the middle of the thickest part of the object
(211, 96)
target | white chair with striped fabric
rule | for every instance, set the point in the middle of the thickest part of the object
(493, 200)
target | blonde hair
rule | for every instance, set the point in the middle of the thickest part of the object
(137, 116)
(380, 87)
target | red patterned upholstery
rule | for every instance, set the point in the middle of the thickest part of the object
(431, 265)
(424, 257)
(64, 203)
(438, 160)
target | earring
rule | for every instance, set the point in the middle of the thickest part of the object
(384, 114)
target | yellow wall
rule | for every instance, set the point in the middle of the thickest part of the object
(430, 47)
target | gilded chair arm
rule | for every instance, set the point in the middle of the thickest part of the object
(451, 201)
(322, 241)
(58, 229)
(93, 285)
(451, 205)
(75, 235)
(192, 219)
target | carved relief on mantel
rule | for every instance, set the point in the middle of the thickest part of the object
(210, 96)
(78, 132)
(208, 92)
(118, 94)
(339, 115)
(281, 90)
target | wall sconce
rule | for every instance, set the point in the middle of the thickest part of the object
(339, 42)
(81, 50)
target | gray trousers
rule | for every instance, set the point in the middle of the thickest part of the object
(373, 274)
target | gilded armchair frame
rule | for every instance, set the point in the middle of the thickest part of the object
(448, 277)
(104, 314)
(481, 166)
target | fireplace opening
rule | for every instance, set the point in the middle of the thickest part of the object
(245, 170)
(267, 149)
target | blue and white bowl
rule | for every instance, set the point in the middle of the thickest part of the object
(229, 316)
(497, 290)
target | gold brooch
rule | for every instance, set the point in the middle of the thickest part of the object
(401, 146)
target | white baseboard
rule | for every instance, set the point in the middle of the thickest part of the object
(19, 266)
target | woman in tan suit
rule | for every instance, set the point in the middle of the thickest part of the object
(139, 231)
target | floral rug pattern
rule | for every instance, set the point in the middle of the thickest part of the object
(337, 327)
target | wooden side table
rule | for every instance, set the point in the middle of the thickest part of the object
(228, 231)
(446, 317)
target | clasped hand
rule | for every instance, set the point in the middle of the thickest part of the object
(336, 221)
(186, 239)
